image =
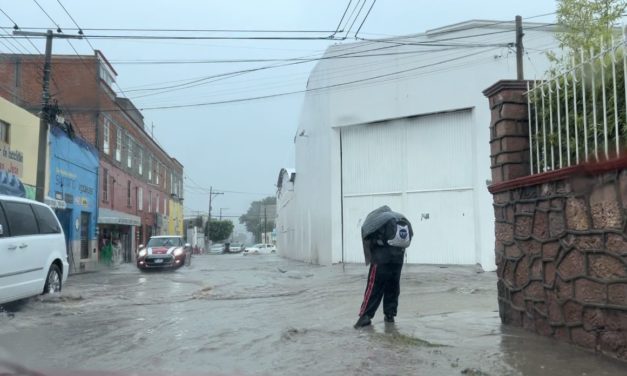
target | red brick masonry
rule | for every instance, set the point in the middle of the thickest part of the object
(561, 249)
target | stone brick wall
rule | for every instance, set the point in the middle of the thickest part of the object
(561, 249)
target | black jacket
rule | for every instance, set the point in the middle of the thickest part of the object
(374, 228)
(380, 251)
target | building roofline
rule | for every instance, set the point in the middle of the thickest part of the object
(176, 161)
(459, 26)
(291, 173)
(99, 53)
(491, 24)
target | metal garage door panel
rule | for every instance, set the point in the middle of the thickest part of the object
(367, 153)
(433, 242)
(355, 211)
(439, 151)
(416, 166)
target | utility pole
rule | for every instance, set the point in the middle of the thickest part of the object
(211, 195)
(265, 224)
(40, 193)
(260, 236)
(519, 49)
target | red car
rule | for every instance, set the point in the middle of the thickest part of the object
(164, 252)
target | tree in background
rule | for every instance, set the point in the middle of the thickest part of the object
(260, 217)
(585, 22)
(220, 230)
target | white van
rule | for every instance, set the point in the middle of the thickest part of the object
(33, 256)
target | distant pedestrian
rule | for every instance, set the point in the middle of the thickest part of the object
(385, 235)
(106, 253)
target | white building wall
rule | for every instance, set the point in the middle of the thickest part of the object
(446, 80)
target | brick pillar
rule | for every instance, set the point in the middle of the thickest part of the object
(509, 130)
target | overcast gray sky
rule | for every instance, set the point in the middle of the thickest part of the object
(236, 147)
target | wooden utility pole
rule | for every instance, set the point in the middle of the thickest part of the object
(40, 183)
(519, 49)
(211, 195)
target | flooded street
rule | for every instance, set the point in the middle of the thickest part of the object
(267, 315)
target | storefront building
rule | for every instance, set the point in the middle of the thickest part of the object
(19, 139)
(73, 171)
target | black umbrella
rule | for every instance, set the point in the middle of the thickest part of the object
(374, 221)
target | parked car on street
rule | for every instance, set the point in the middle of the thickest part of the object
(164, 252)
(216, 248)
(236, 248)
(33, 250)
(260, 248)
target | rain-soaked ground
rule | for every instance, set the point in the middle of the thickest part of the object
(231, 314)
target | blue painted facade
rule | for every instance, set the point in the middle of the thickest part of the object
(74, 166)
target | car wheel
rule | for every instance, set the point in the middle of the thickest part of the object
(54, 281)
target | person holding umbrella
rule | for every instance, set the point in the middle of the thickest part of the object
(385, 235)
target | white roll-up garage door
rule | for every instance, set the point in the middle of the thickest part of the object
(420, 166)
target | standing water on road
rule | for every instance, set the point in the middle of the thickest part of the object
(267, 315)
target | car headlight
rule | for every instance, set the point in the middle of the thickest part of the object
(143, 253)
(178, 252)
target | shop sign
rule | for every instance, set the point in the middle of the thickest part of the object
(11, 160)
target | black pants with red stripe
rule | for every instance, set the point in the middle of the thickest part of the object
(383, 283)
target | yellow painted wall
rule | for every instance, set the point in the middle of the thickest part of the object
(175, 219)
(23, 137)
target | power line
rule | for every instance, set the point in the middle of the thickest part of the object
(48, 15)
(337, 29)
(224, 61)
(398, 37)
(80, 31)
(15, 27)
(10, 19)
(230, 75)
(170, 30)
(449, 67)
(202, 80)
(365, 18)
(249, 99)
(244, 71)
(182, 37)
(410, 75)
(355, 19)
(348, 20)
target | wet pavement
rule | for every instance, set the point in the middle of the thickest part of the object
(235, 314)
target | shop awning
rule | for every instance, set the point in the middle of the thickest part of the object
(112, 217)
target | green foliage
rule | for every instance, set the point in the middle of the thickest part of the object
(585, 22)
(220, 230)
(260, 216)
(581, 130)
(584, 26)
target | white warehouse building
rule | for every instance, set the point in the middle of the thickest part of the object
(402, 122)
